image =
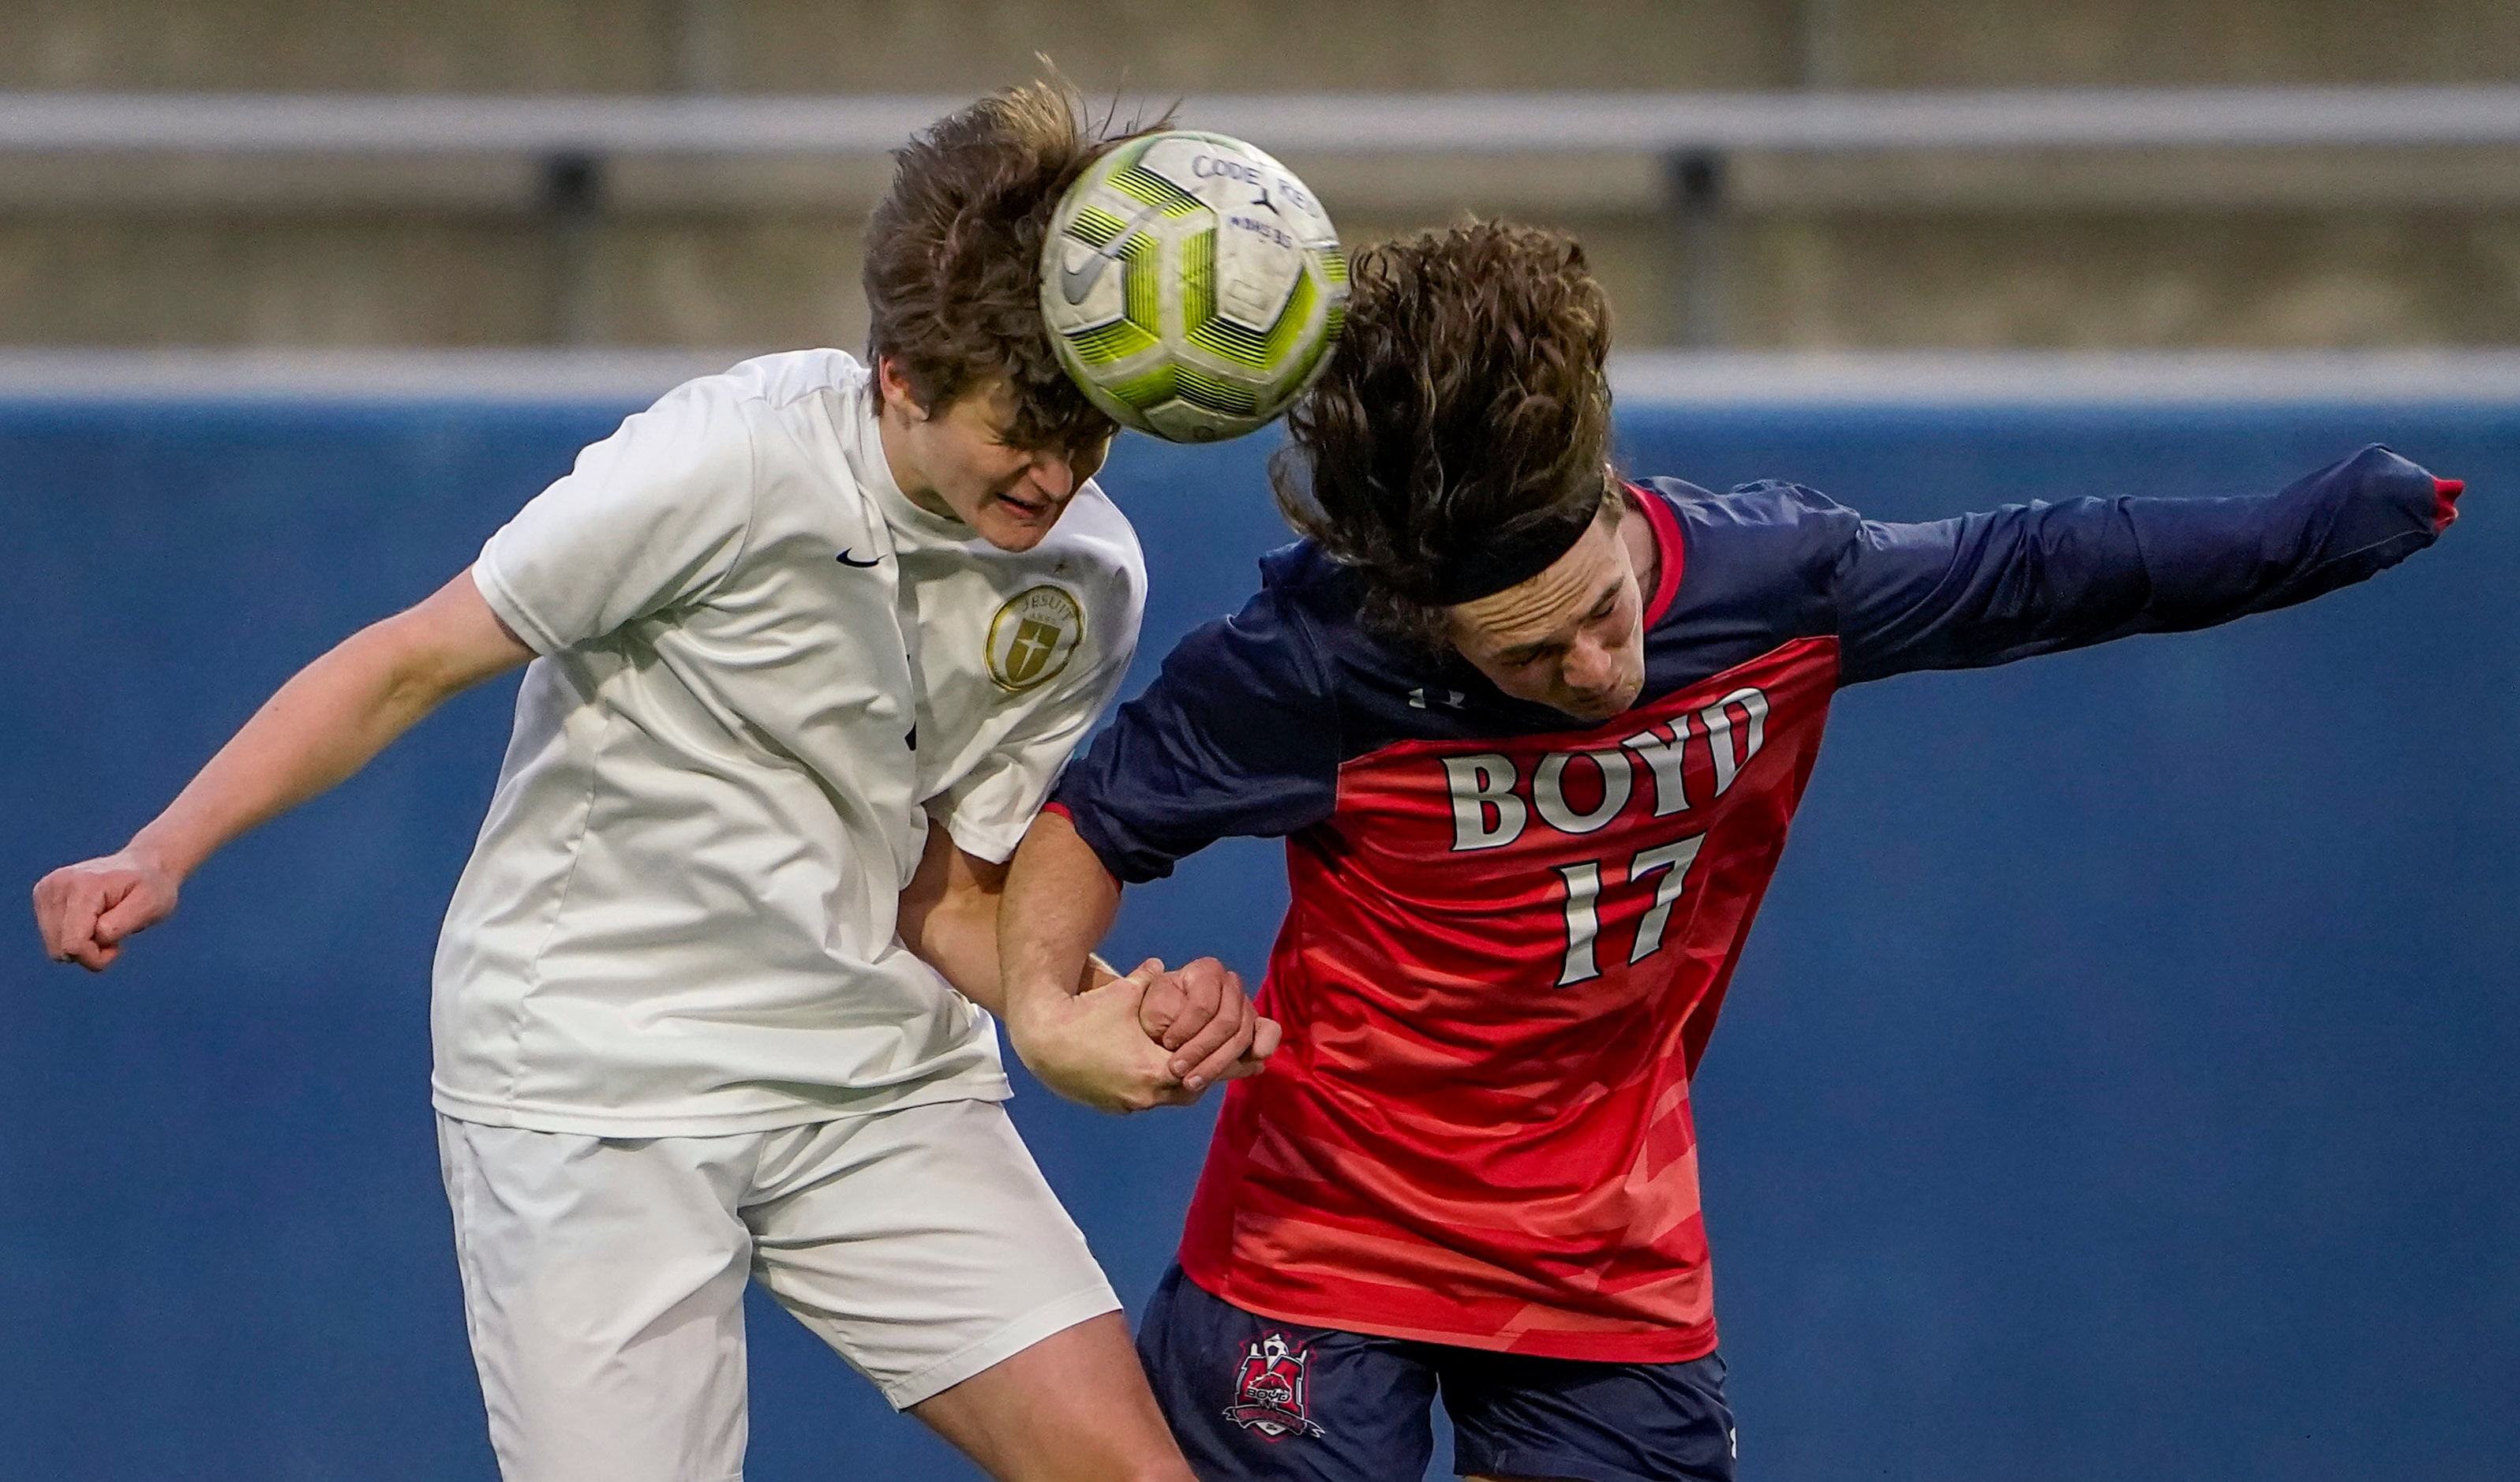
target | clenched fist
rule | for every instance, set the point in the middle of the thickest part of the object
(1200, 1013)
(86, 911)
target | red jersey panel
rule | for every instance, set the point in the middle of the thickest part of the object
(1503, 960)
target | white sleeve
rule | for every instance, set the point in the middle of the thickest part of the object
(989, 810)
(648, 520)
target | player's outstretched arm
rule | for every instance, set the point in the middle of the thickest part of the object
(1106, 1045)
(2030, 579)
(319, 728)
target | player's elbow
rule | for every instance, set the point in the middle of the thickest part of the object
(438, 649)
(1053, 851)
(409, 674)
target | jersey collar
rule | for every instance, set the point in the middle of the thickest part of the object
(874, 475)
(1669, 546)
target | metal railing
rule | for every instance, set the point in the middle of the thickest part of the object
(1662, 123)
(577, 138)
(624, 378)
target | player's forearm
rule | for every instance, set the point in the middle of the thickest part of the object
(949, 920)
(2207, 561)
(1058, 905)
(2032, 579)
(327, 721)
(963, 946)
(958, 936)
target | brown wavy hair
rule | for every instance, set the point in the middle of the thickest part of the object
(1468, 400)
(953, 256)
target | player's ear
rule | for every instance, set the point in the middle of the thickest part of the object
(896, 390)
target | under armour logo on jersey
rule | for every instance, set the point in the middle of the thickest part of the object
(860, 565)
(1450, 699)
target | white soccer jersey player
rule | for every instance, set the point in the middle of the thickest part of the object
(676, 1035)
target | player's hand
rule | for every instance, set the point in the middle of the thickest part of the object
(1089, 1047)
(86, 911)
(1201, 1015)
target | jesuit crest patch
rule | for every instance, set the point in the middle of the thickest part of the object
(1270, 1390)
(1033, 636)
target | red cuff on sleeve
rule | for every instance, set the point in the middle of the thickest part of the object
(2446, 493)
(1060, 809)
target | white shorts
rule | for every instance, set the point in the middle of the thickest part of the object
(604, 1277)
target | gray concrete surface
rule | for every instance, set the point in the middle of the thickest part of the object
(2268, 249)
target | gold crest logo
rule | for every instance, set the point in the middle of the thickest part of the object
(1033, 636)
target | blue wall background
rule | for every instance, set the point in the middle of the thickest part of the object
(2116, 1084)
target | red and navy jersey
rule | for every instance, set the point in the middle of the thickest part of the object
(1511, 931)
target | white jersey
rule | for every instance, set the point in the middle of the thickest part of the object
(762, 670)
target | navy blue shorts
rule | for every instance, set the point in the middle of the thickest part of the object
(1253, 1398)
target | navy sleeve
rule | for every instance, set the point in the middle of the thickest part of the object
(1238, 736)
(2038, 578)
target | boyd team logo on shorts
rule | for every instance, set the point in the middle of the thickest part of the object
(1269, 1390)
(1033, 636)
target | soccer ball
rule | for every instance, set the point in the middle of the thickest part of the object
(1192, 286)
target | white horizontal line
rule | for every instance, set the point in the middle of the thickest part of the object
(1315, 123)
(386, 377)
(1715, 380)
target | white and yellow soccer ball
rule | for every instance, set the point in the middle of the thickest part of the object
(1191, 285)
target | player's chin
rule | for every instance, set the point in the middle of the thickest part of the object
(1604, 705)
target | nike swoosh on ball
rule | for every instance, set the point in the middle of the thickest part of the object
(1077, 282)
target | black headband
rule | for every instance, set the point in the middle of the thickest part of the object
(1483, 564)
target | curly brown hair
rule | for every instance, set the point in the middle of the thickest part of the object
(953, 256)
(1467, 404)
